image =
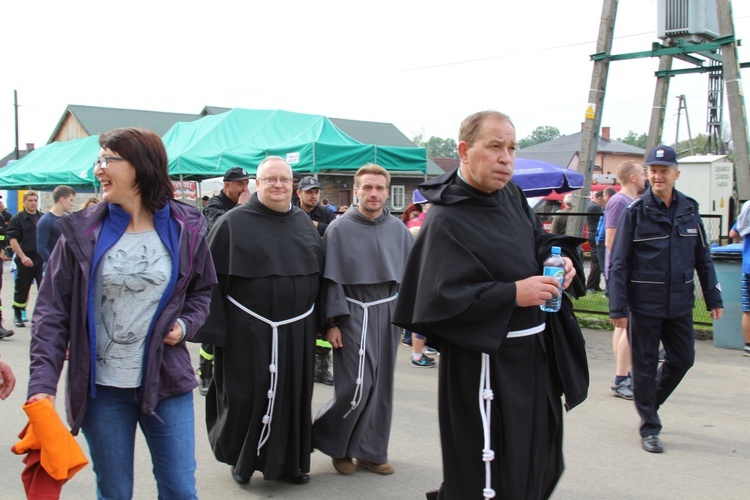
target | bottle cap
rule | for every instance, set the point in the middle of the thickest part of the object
(556, 250)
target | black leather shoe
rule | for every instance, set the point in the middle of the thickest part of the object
(652, 444)
(4, 334)
(238, 478)
(302, 478)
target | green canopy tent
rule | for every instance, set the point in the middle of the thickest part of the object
(68, 162)
(208, 147)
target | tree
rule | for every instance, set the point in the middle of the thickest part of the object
(540, 134)
(437, 147)
(639, 141)
(700, 146)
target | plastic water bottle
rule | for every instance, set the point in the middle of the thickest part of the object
(554, 266)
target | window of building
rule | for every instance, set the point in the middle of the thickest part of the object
(397, 198)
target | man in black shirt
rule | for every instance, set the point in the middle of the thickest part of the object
(308, 193)
(21, 235)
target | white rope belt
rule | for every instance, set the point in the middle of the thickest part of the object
(485, 405)
(273, 367)
(363, 348)
(528, 331)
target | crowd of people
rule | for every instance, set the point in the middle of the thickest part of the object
(323, 297)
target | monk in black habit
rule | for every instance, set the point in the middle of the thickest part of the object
(269, 260)
(473, 285)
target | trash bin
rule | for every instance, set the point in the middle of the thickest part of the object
(728, 265)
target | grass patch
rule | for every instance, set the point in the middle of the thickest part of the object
(592, 311)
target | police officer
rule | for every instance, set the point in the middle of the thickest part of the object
(660, 244)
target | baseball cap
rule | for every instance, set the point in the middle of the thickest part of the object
(662, 155)
(236, 174)
(309, 182)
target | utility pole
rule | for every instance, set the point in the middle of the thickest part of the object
(15, 106)
(735, 100)
(590, 136)
(683, 105)
(656, 126)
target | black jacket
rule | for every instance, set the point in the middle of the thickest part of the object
(323, 216)
(216, 207)
(654, 260)
(22, 227)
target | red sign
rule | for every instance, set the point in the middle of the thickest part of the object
(186, 191)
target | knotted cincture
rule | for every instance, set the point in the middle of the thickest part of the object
(485, 406)
(265, 432)
(363, 349)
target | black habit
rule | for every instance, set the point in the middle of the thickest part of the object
(458, 289)
(269, 262)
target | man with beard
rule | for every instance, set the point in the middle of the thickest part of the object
(234, 193)
(473, 283)
(262, 325)
(309, 193)
(365, 253)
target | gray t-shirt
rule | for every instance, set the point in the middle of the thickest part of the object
(135, 274)
(612, 215)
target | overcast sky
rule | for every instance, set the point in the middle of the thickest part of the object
(422, 65)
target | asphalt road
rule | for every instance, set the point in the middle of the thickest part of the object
(706, 435)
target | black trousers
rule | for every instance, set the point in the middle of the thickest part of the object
(595, 273)
(652, 386)
(25, 276)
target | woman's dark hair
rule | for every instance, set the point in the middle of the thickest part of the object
(145, 151)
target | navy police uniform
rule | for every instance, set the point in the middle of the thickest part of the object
(654, 260)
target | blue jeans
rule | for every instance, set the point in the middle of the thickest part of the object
(109, 427)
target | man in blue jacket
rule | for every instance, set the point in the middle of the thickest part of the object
(660, 245)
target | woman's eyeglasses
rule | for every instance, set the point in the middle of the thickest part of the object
(105, 160)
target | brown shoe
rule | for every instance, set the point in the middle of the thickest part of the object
(382, 469)
(344, 465)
